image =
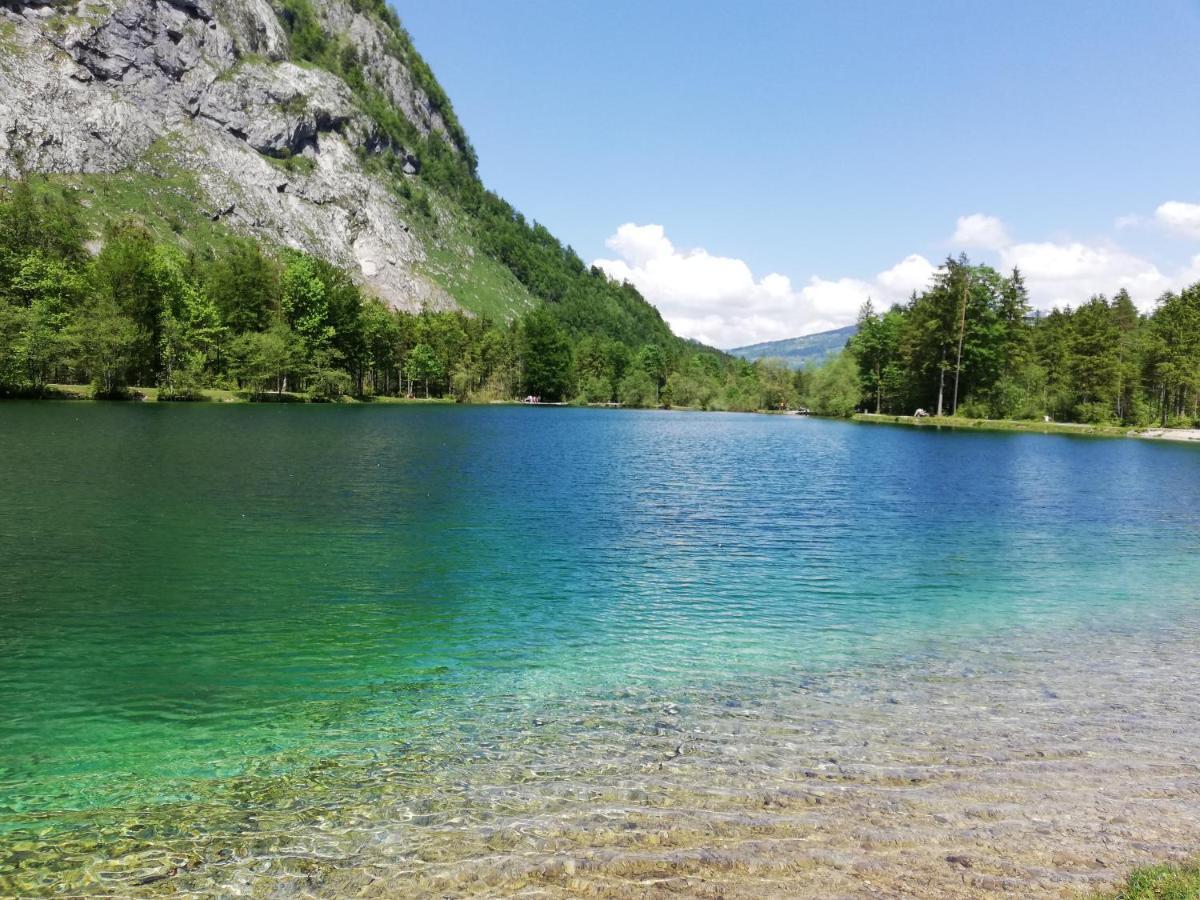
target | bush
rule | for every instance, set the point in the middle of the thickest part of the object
(595, 389)
(327, 385)
(976, 409)
(834, 389)
(180, 393)
(637, 390)
(1094, 413)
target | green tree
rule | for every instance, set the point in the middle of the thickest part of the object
(652, 360)
(244, 284)
(834, 388)
(1130, 355)
(14, 320)
(1175, 352)
(1095, 366)
(128, 273)
(51, 292)
(547, 356)
(344, 324)
(304, 301)
(1012, 313)
(776, 384)
(423, 365)
(262, 360)
(380, 338)
(876, 348)
(48, 225)
(106, 343)
(637, 389)
(326, 381)
(190, 329)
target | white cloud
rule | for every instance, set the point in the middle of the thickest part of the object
(1189, 275)
(1067, 274)
(718, 300)
(910, 274)
(640, 243)
(1181, 218)
(978, 230)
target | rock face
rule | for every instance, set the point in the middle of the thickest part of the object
(91, 87)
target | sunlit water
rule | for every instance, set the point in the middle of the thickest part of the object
(395, 650)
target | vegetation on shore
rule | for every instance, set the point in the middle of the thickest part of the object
(963, 422)
(223, 313)
(1168, 881)
(141, 393)
(226, 313)
(141, 287)
(144, 289)
(969, 346)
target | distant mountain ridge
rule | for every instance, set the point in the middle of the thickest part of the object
(799, 352)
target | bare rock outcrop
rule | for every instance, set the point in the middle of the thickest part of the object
(92, 87)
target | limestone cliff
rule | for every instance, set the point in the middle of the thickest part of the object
(277, 147)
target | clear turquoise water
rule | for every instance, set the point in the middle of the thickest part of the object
(214, 609)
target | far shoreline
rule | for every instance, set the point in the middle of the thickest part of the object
(1179, 435)
(212, 396)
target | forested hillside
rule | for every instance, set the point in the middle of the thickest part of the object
(312, 225)
(276, 323)
(278, 199)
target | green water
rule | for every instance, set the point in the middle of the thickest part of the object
(203, 609)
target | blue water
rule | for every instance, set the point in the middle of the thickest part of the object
(197, 600)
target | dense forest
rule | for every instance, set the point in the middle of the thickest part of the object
(278, 324)
(130, 308)
(970, 345)
(137, 311)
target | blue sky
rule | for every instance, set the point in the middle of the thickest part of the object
(798, 157)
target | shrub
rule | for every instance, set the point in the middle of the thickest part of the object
(637, 390)
(329, 384)
(1094, 413)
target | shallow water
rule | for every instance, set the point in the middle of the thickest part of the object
(325, 650)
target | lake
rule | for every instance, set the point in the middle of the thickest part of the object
(443, 650)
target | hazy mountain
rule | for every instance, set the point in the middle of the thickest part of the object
(798, 352)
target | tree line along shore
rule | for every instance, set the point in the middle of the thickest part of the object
(971, 346)
(133, 315)
(139, 316)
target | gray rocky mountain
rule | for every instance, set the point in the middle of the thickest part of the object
(103, 86)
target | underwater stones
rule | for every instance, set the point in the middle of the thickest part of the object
(927, 809)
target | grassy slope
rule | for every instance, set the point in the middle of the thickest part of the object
(156, 190)
(476, 281)
(1162, 882)
(799, 352)
(167, 199)
(995, 425)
